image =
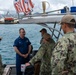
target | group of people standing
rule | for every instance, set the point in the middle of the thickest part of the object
(56, 58)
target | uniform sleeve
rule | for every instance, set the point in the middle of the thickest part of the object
(15, 43)
(29, 42)
(1, 67)
(38, 56)
(58, 57)
(41, 41)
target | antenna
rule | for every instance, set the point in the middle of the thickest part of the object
(72, 2)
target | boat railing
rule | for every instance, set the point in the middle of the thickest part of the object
(46, 15)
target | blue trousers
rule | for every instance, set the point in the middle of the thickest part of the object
(19, 61)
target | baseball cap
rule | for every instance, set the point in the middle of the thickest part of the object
(43, 29)
(68, 19)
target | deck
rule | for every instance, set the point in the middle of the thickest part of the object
(13, 71)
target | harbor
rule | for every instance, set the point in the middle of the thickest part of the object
(25, 17)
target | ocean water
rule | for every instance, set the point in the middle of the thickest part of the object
(10, 32)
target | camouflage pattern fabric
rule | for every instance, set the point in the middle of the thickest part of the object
(63, 59)
(41, 41)
(43, 55)
(1, 68)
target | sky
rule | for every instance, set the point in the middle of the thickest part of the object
(53, 4)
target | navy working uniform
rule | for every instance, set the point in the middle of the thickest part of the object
(22, 46)
(63, 60)
(44, 53)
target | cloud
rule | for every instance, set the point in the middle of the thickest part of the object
(6, 4)
(54, 4)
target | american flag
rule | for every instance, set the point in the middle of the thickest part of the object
(18, 6)
(23, 6)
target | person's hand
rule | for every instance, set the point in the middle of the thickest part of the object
(27, 64)
(25, 55)
(64, 72)
(22, 55)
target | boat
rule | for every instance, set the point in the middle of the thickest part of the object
(11, 69)
(9, 20)
(41, 19)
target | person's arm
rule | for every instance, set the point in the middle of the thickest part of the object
(1, 66)
(29, 49)
(41, 40)
(17, 51)
(58, 58)
(38, 56)
(16, 48)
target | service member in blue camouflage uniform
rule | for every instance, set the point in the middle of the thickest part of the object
(63, 59)
(43, 55)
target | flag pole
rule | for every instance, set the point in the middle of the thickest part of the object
(18, 15)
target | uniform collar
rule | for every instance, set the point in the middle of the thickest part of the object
(21, 38)
(70, 32)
